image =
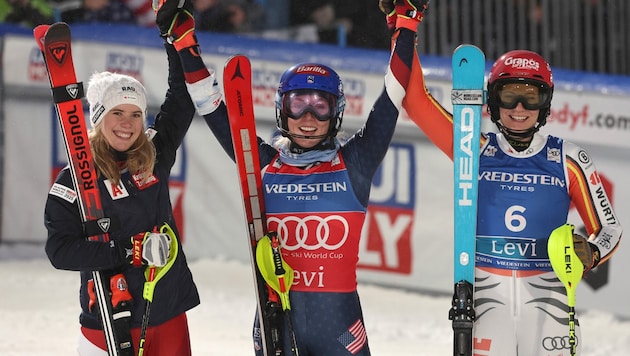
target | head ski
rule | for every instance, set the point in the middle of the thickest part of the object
(468, 98)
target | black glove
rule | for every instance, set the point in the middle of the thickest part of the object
(176, 23)
(166, 10)
(403, 13)
(587, 252)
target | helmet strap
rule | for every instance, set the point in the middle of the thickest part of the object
(519, 146)
(327, 140)
(518, 136)
(327, 143)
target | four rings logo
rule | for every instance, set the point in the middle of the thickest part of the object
(557, 343)
(330, 232)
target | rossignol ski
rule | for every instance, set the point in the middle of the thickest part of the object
(55, 44)
(237, 86)
(468, 98)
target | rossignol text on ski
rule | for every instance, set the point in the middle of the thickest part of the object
(55, 44)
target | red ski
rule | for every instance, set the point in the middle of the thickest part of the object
(55, 44)
(237, 85)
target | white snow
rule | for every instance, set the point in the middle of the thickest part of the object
(39, 313)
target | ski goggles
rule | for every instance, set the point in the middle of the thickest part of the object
(533, 96)
(319, 103)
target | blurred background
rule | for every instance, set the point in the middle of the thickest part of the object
(585, 35)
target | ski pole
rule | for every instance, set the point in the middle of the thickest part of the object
(278, 275)
(147, 311)
(153, 275)
(569, 269)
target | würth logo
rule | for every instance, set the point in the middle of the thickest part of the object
(58, 51)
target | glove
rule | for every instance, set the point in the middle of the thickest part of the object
(403, 13)
(175, 20)
(205, 94)
(150, 248)
(587, 252)
(165, 11)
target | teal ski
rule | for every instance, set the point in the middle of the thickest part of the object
(468, 97)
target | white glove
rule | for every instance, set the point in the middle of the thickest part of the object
(205, 95)
(151, 248)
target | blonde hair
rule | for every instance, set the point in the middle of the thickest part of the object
(140, 157)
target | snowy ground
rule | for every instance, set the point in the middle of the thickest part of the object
(39, 313)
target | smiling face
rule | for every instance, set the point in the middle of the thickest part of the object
(518, 119)
(307, 125)
(122, 126)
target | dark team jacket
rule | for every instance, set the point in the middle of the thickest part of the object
(358, 160)
(137, 209)
(365, 150)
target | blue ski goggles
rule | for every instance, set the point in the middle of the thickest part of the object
(321, 104)
(533, 96)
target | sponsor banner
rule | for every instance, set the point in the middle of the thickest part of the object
(407, 236)
(386, 241)
(582, 117)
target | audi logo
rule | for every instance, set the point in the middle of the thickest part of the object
(330, 232)
(557, 343)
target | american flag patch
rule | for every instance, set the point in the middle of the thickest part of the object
(354, 338)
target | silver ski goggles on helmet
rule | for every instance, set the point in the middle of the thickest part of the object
(321, 104)
(533, 96)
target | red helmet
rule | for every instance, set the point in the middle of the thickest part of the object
(520, 66)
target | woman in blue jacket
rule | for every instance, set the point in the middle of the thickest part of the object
(316, 186)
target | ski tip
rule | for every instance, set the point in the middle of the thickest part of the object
(237, 67)
(39, 32)
(59, 29)
(468, 51)
(236, 60)
(466, 45)
(238, 56)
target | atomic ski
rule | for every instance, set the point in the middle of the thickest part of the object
(54, 42)
(468, 98)
(237, 85)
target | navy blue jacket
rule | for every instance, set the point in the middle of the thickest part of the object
(68, 249)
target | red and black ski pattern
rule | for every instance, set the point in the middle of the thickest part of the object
(55, 44)
(237, 85)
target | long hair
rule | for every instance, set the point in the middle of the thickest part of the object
(140, 157)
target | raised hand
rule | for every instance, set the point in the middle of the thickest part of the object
(175, 20)
(403, 13)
